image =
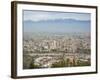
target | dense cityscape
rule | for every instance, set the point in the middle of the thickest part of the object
(46, 50)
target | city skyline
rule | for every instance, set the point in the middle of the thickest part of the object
(56, 39)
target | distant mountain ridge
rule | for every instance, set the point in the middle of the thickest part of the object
(59, 20)
(58, 25)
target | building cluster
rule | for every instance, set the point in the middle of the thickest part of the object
(67, 44)
(46, 50)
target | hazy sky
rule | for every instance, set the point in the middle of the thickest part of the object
(44, 15)
(43, 21)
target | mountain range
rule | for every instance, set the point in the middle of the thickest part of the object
(58, 25)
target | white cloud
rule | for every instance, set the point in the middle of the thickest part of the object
(44, 15)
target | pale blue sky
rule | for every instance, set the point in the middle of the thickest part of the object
(44, 15)
(47, 21)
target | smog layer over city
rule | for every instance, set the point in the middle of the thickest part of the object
(56, 39)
